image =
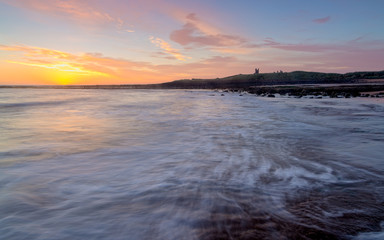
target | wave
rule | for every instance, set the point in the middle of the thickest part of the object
(186, 165)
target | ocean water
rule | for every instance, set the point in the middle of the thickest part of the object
(154, 164)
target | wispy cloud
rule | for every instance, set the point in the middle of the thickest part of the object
(168, 48)
(347, 46)
(53, 59)
(61, 66)
(300, 47)
(120, 15)
(82, 64)
(121, 70)
(322, 20)
(195, 32)
(84, 12)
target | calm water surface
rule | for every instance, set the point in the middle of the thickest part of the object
(132, 164)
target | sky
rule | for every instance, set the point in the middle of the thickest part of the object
(154, 41)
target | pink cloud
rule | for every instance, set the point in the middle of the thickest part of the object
(301, 47)
(322, 20)
(168, 48)
(124, 16)
(195, 32)
(349, 46)
(85, 12)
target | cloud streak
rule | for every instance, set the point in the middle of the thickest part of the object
(195, 32)
(119, 71)
(84, 12)
(61, 66)
(81, 64)
(168, 49)
(322, 20)
(349, 46)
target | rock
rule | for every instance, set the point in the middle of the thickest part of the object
(271, 95)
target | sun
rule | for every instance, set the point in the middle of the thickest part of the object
(64, 78)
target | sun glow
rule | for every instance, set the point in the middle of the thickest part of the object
(63, 73)
(63, 66)
(64, 78)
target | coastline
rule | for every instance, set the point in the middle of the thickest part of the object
(334, 90)
(319, 90)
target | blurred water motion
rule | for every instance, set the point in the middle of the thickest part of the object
(131, 164)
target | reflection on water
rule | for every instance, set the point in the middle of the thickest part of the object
(112, 164)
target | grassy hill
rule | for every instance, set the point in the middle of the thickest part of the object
(296, 77)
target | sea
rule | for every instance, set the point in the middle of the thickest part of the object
(176, 164)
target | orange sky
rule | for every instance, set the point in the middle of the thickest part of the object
(152, 41)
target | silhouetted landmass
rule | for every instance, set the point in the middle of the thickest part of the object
(296, 83)
(246, 82)
(280, 78)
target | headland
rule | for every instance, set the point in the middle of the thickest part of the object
(297, 83)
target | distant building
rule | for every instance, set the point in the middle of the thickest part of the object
(257, 71)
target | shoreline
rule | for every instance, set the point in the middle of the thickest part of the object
(319, 91)
(296, 90)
